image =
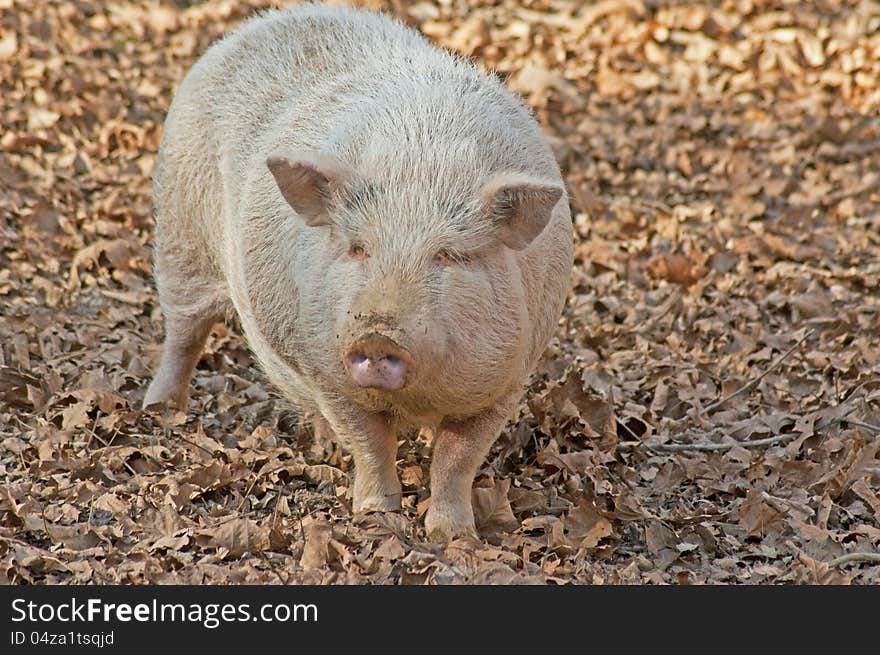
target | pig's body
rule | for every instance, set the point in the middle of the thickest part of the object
(394, 258)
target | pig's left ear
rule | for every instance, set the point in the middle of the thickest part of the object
(308, 183)
(520, 206)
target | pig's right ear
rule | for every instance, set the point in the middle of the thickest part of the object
(308, 184)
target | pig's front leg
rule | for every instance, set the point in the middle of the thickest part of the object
(371, 438)
(460, 446)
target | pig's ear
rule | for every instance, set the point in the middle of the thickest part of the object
(308, 183)
(520, 206)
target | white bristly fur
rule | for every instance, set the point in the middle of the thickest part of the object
(419, 137)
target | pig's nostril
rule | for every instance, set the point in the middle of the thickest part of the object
(391, 365)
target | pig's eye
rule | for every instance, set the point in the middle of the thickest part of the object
(357, 251)
(448, 257)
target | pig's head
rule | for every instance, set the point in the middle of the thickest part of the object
(428, 300)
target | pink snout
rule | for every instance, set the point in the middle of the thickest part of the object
(377, 362)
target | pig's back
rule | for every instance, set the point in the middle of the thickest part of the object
(309, 74)
(302, 63)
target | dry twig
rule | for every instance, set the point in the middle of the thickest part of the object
(849, 558)
(867, 426)
(756, 443)
(751, 384)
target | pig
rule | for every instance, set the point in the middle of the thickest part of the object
(388, 224)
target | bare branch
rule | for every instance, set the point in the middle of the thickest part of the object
(868, 426)
(751, 384)
(855, 557)
(769, 441)
(756, 443)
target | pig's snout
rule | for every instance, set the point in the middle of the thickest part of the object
(377, 362)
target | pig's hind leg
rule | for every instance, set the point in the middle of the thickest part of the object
(190, 311)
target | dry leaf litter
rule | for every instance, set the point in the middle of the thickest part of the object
(709, 411)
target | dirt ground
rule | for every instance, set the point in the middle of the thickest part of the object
(708, 412)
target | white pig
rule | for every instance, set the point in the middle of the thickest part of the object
(388, 223)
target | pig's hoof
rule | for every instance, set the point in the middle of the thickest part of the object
(389, 503)
(442, 527)
(160, 392)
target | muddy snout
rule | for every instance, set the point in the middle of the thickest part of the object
(377, 362)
